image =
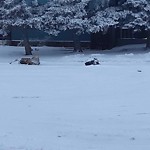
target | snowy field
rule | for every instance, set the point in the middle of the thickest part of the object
(64, 105)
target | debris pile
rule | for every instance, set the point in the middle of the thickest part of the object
(30, 61)
(94, 61)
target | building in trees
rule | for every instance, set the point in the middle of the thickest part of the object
(125, 18)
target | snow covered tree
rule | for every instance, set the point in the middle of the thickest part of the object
(34, 3)
(139, 16)
(1, 15)
(133, 14)
(138, 13)
(102, 23)
(1, 8)
(45, 18)
(61, 15)
(103, 17)
(78, 22)
(18, 14)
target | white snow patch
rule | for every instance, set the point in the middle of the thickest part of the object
(64, 105)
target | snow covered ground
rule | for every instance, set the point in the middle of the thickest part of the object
(64, 105)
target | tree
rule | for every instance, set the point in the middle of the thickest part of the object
(1, 15)
(138, 16)
(78, 16)
(61, 15)
(125, 13)
(45, 18)
(77, 19)
(17, 14)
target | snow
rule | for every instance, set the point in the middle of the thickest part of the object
(64, 105)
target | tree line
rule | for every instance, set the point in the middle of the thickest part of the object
(80, 16)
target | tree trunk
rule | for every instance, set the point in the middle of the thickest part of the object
(9, 36)
(77, 44)
(148, 39)
(28, 49)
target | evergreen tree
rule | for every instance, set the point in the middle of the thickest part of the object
(45, 17)
(104, 17)
(138, 16)
(1, 15)
(61, 15)
(133, 14)
(17, 14)
(78, 20)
